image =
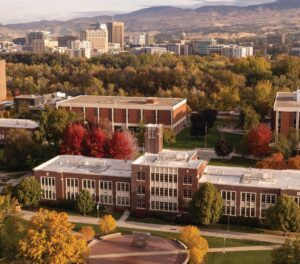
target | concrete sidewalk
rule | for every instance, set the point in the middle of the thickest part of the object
(175, 229)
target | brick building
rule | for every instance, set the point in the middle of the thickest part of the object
(250, 192)
(6, 124)
(164, 181)
(107, 180)
(129, 112)
(285, 115)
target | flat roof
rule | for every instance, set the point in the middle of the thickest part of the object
(170, 158)
(87, 166)
(109, 101)
(286, 100)
(28, 96)
(249, 177)
(18, 123)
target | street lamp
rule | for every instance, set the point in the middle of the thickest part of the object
(98, 206)
(205, 135)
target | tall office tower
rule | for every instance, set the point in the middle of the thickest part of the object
(116, 33)
(3, 88)
(37, 35)
(98, 36)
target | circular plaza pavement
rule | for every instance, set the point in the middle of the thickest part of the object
(120, 250)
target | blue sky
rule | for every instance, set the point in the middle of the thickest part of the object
(16, 11)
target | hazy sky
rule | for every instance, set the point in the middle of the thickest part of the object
(16, 11)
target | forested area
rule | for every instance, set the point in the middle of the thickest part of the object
(207, 82)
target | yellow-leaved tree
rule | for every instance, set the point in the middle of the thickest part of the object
(190, 235)
(50, 240)
(107, 224)
(87, 232)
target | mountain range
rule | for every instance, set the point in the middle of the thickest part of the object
(168, 19)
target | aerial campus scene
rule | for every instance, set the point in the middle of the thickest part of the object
(150, 132)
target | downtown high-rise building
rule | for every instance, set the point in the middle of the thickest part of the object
(98, 36)
(116, 33)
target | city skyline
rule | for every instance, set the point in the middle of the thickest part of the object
(17, 11)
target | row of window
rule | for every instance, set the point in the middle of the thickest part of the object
(247, 203)
(163, 206)
(163, 192)
(48, 195)
(48, 181)
(156, 177)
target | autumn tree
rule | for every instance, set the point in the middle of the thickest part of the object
(198, 246)
(85, 202)
(95, 143)
(73, 139)
(87, 232)
(12, 228)
(206, 205)
(275, 162)
(287, 253)
(294, 163)
(248, 118)
(284, 215)
(282, 145)
(169, 136)
(222, 148)
(18, 148)
(107, 224)
(29, 192)
(123, 145)
(54, 122)
(50, 240)
(258, 140)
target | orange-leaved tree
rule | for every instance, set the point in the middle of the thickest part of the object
(50, 240)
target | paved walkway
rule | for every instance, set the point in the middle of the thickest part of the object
(124, 216)
(139, 254)
(175, 229)
(239, 249)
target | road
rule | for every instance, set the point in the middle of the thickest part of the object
(175, 229)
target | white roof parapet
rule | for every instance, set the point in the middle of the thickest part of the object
(249, 177)
(86, 165)
(18, 123)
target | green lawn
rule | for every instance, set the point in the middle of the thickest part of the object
(214, 242)
(185, 141)
(256, 257)
(233, 162)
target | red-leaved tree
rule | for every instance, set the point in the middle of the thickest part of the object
(275, 162)
(122, 145)
(95, 143)
(258, 140)
(73, 138)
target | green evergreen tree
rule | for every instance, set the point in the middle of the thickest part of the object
(85, 202)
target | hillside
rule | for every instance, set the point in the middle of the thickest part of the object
(168, 19)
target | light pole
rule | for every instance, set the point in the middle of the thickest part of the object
(98, 206)
(205, 135)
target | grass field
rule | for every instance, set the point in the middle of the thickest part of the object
(233, 162)
(185, 141)
(254, 257)
(214, 242)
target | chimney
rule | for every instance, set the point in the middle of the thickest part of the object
(154, 138)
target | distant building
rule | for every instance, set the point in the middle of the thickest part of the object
(44, 45)
(276, 39)
(114, 48)
(116, 33)
(3, 88)
(98, 36)
(149, 50)
(80, 49)
(64, 41)
(129, 112)
(295, 51)
(150, 40)
(6, 124)
(141, 39)
(235, 51)
(37, 35)
(174, 48)
(201, 47)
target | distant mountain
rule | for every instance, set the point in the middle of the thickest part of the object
(168, 19)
